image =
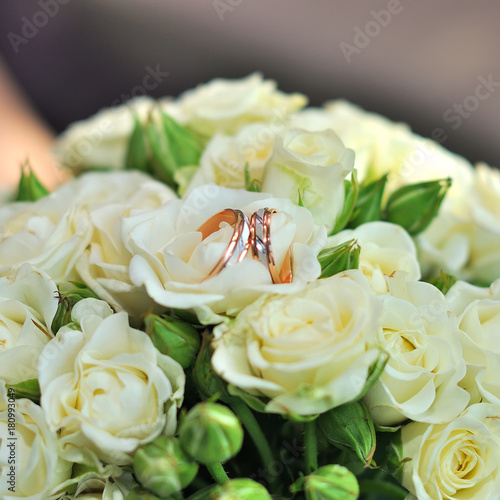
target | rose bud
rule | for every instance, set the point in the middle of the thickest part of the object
(242, 489)
(211, 433)
(173, 337)
(163, 467)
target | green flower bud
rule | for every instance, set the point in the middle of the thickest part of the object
(350, 427)
(240, 489)
(340, 258)
(139, 493)
(368, 205)
(414, 206)
(174, 337)
(330, 482)
(171, 146)
(207, 381)
(211, 433)
(163, 467)
(30, 188)
(67, 299)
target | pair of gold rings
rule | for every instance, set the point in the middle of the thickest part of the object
(253, 236)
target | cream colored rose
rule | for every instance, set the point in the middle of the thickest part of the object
(101, 141)
(420, 380)
(104, 265)
(172, 261)
(385, 248)
(228, 158)
(30, 466)
(310, 168)
(308, 351)
(96, 487)
(455, 460)
(226, 105)
(445, 245)
(106, 388)
(484, 265)
(379, 144)
(50, 234)
(478, 311)
(28, 303)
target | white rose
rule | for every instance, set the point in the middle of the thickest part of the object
(30, 466)
(455, 460)
(28, 303)
(309, 168)
(96, 487)
(226, 105)
(172, 261)
(104, 266)
(308, 351)
(445, 245)
(379, 144)
(478, 311)
(227, 157)
(484, 265)
(385, 248)
(106, 388)
(101, 141)
(420, 380)
(50, 234)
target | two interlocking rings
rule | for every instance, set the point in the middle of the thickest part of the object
(253, 236)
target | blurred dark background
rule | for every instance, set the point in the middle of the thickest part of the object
(430, 64)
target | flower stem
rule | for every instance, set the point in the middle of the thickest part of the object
(218, 473)
(258, 437)
(310, 447)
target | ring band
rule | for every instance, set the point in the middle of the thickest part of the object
(240, 241)
(260, 238)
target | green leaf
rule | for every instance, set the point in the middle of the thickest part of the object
(30, 188)
(443, 282)
(350, 427)
(253, 402)
(350, 197)
(368, 205)
(27, 389)
(414, 206)
(252, 185)
(339, 258)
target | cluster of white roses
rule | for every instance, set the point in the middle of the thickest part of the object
(303, 348)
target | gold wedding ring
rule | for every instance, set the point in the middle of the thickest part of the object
(240, 241)
(260, 240)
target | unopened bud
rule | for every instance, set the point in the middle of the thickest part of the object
(211, 433)
(240, 489)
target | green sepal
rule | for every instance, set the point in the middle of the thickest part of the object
(254, 402)
(414, 206)
(29, 389)
(443, 282)
(351, 188)
(368, 206)
(252, 185)
(137, 156)
(350, 427)
(30, 188)
(375, 371)
(339, 258)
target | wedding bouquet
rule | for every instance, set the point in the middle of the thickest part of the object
(239, 297)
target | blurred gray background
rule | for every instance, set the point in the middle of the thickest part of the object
(430, 64)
